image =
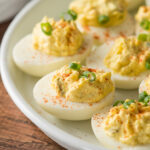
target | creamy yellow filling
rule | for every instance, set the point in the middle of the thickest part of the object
(128, 56)
(65, 38)
(74, 86)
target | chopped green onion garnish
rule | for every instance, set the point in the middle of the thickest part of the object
(73, 14)
(90, 75)
(75, 66)
(144, 37)
(127, 104)
(103, 19)
(145, 24)
(69, 15)
(118, 102)
(46, 28)
(142, 96)
(147, 64)
(147, 100)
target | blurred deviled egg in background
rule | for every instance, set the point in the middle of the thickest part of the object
(51, 45)
(103, 20)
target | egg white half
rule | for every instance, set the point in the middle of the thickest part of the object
(47, 98)
(133, 4)
(102, 35)
(96, 60)
(107, 141)
(35, 63)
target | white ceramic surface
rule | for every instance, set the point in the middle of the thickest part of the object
(69, 134)
(8, 8)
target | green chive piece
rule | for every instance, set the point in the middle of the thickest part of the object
(75, 66)
(145, 24)
(118, 102)
(69, 15)
(103, 19)
(142, 96)
(147, 100)
(147, 64)
(46, 28)
(127, 104)
(88, 74)
(142, 37)
(73, 14)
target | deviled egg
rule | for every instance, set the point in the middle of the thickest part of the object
(127, 58)
(51, 45)
(124, 127)
(74, 92)
(103, 20)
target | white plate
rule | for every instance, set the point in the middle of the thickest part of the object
(69, 134)
(13, 6)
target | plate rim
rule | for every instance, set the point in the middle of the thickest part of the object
(61, 137)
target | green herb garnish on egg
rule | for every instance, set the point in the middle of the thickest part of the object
(69, 15)
(46, 28)
(142, 96)
(103, 19)
(146, 100)
(75, 66)
(145, 24)
(118, 102)
(127, 104)
(88, 74)
(144, 37)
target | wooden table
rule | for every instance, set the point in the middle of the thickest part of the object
(16, 131)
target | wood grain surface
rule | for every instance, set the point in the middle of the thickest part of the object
(16, 131)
